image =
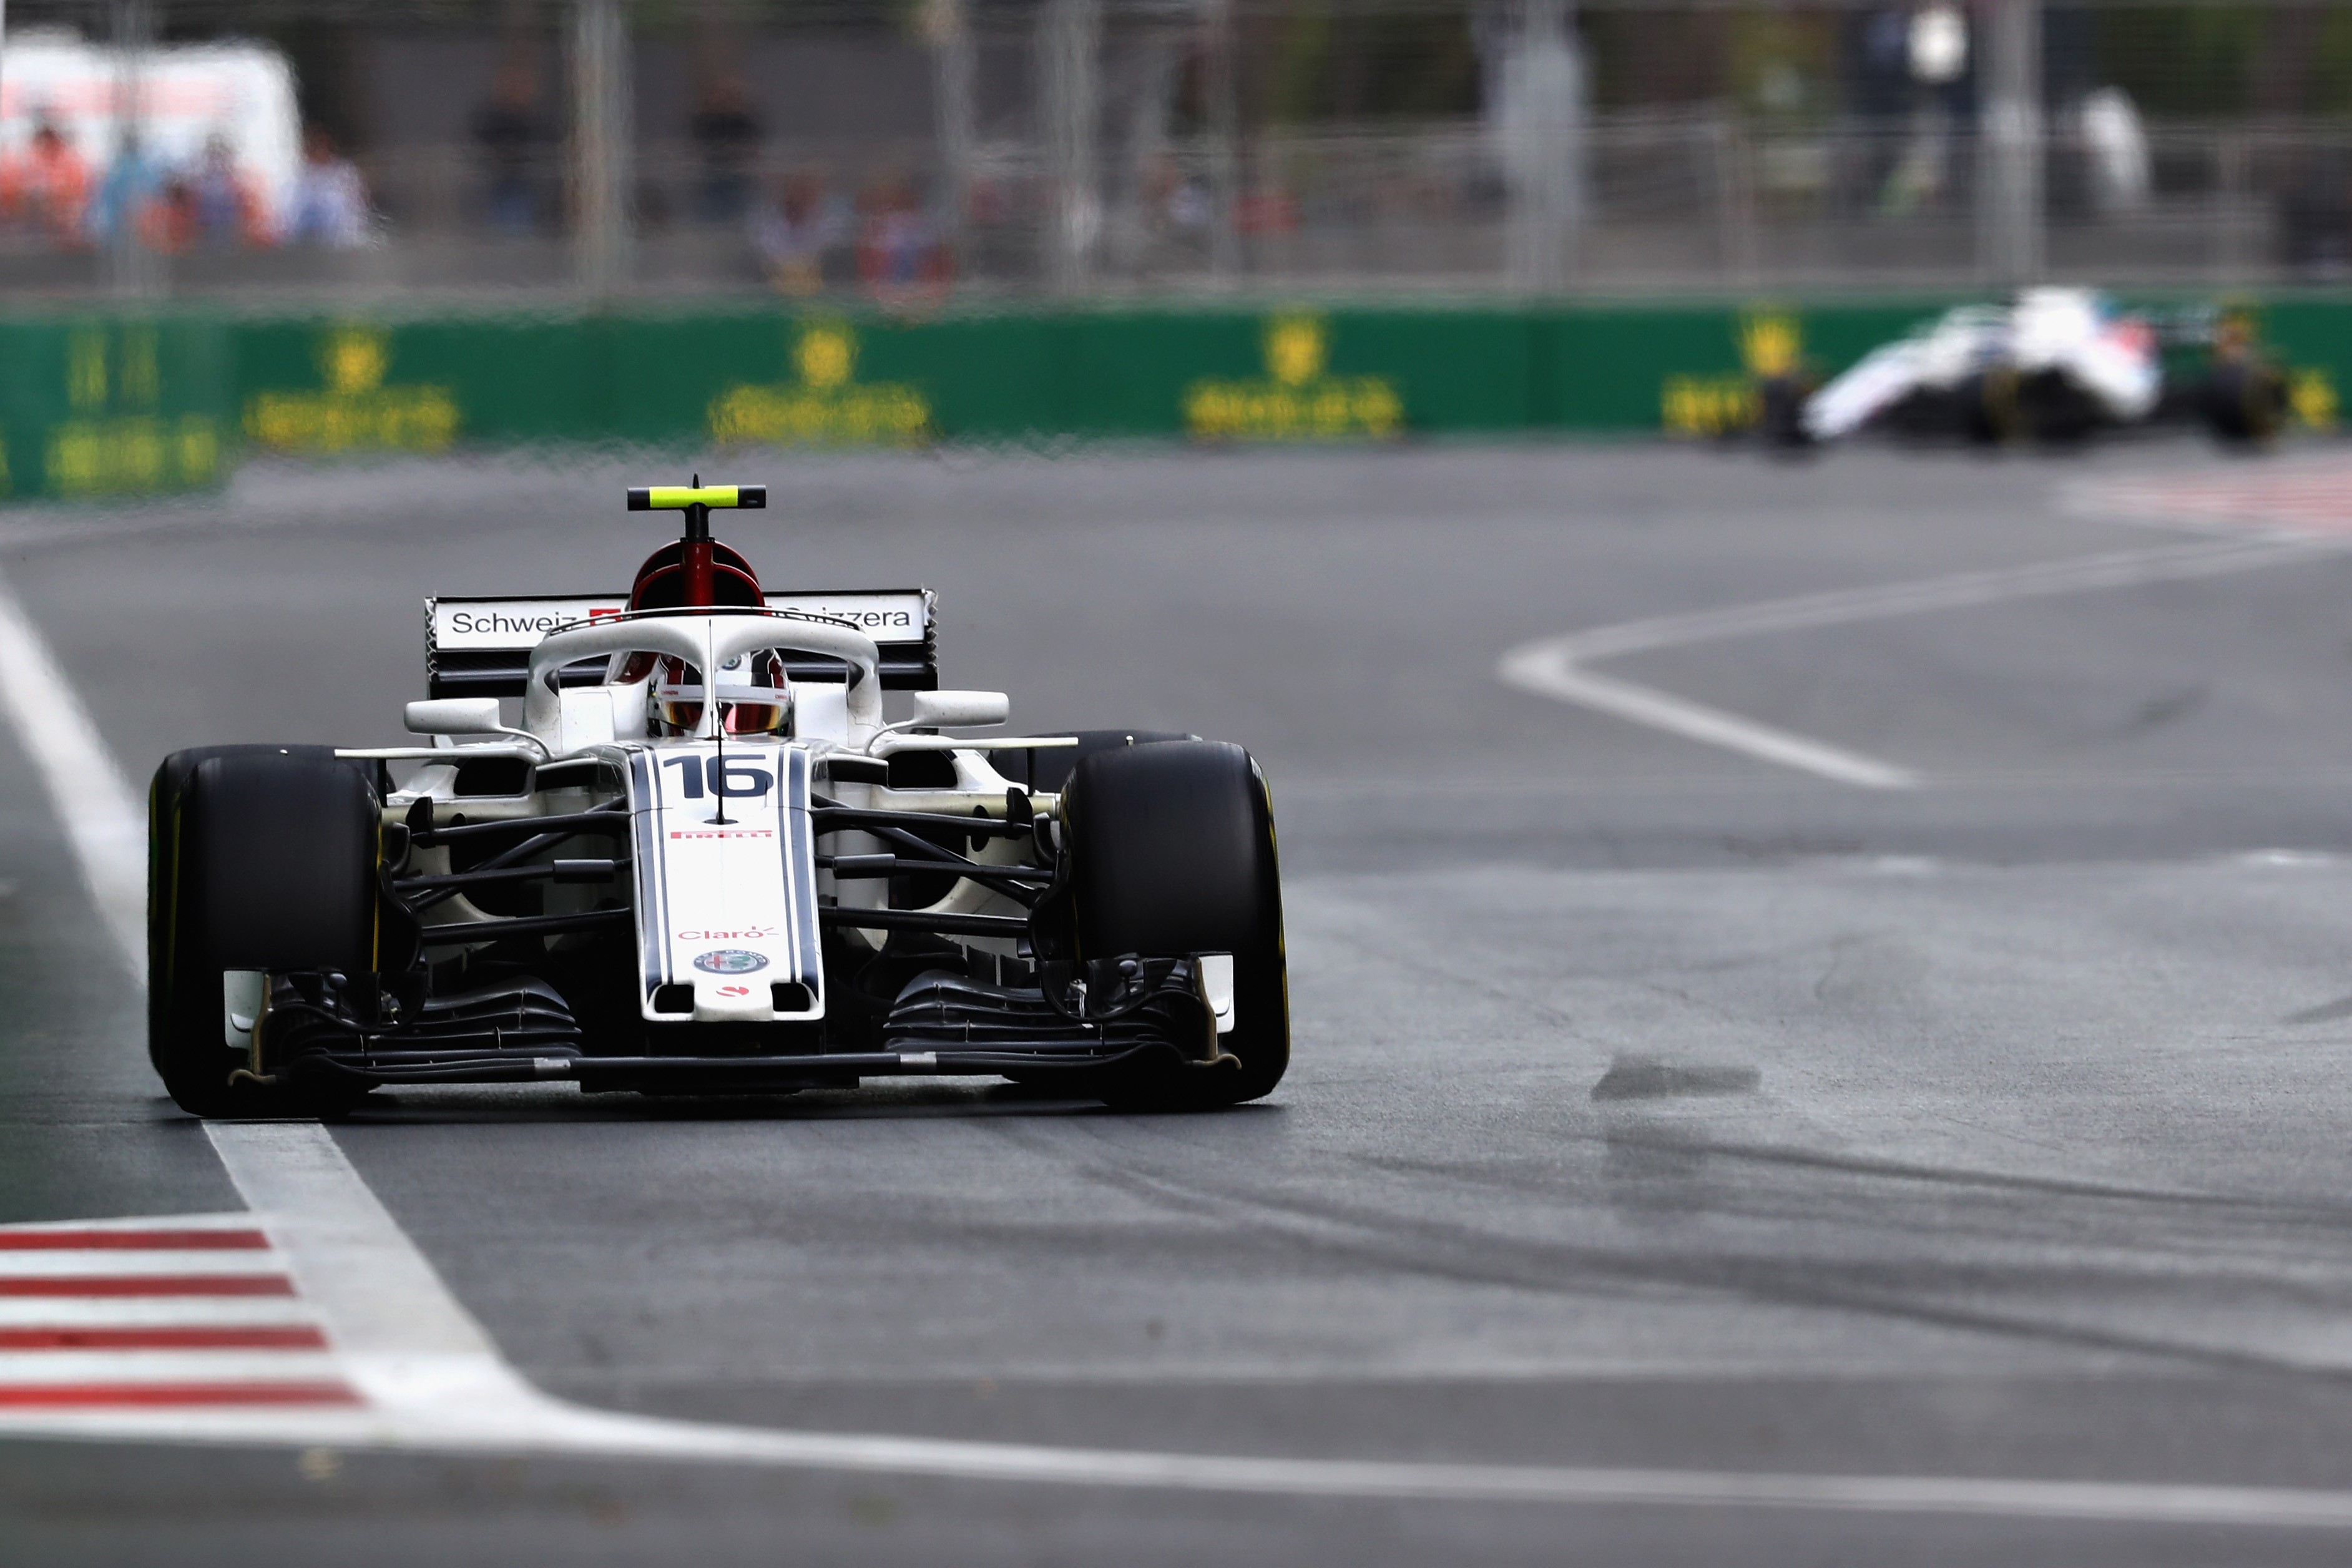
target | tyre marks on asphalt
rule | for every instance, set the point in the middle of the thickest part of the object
(195, 1312)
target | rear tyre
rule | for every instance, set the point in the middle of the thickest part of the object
(2245, 403)
(2056, 412)
(1988, 412)
(1172, 852)
(1780, 412)
(261, 858)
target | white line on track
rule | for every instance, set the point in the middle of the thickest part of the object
(429, 1378)
(156, 1311)
(133, 1265)
(1559, 668)
(32, 1369)
(102, 815)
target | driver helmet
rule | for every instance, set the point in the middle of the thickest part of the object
(755, 697)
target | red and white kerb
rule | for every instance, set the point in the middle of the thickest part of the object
(188, 1313)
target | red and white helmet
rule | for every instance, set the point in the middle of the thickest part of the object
(755, 697)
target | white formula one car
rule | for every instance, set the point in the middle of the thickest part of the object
(2056, 364)
(705, 862)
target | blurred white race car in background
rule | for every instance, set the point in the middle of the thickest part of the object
(2054, 364)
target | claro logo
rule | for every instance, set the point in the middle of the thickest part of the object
(749, 934)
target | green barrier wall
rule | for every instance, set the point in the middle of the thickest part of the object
(114, 405)
(782, 376)
(124, 405)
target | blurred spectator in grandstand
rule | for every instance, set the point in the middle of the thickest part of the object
(796, 233)
(168, 222)
(991, 238)
(1172, 199)
(794, 229)
(1877, 79)
(508, 130)
(1266, 209)
(224, 207)
(727, 138)
(330, 207)
(45, 187)
(900, 257)
(1167, 214)
(124, 191)
(1878, 62)
(1190, 207)
(1937, 47)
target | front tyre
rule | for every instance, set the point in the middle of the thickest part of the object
(261, 859)
(1172, 852)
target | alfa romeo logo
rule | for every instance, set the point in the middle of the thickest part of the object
(730, 961)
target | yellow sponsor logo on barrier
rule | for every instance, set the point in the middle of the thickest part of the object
(1297, 400)
(826, 404)
(132, 453)
(356, 412)
(1771, 343)
(1710, 404)
(2311, 392)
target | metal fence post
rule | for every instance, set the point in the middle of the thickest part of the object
(600, 144)
(1069, 42)
(2232, 208)
(1740, 252)
(2009, 214)
(952, 66)
(1224, 93)
(1542, 151)
(132, 267)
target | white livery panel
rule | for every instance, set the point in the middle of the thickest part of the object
(726, 874)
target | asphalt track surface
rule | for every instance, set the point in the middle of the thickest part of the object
(1653, 1105)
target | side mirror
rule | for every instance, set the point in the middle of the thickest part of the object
(957, 709)
(455, 716)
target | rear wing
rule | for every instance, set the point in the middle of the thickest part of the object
(481, 648)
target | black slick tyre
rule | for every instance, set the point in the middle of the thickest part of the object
(1049, 768)
(1989, 409)
(1172, 852)
(2056, 411)
(1780, 412)
(261, 858)
(2245, 403)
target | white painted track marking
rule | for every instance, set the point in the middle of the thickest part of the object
(101, 814)
(1559, 668)
(132, 1265)
(1551, 671)
(430, 1380)
(427, 1377)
